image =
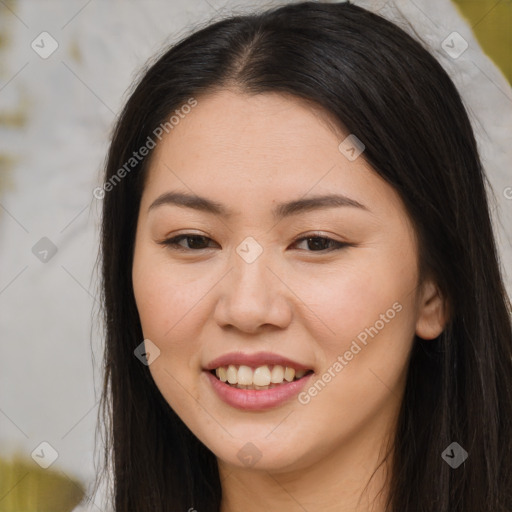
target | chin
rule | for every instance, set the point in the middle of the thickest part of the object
(260, 454)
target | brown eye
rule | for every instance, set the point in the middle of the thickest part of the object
(321, 243)
(193, 242)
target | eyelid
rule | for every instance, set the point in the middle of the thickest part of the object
(173, 242)
(337, 243)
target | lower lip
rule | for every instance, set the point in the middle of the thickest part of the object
(256, 399)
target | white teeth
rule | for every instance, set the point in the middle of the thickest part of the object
(289, 374)
(245, 375)
(222, 373)
(262, 377)
(277, 374)
(232, 374)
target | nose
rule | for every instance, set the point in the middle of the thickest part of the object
(253, 297)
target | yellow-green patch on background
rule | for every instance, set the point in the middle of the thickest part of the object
(491, 21)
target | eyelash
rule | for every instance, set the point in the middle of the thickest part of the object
(173, 243)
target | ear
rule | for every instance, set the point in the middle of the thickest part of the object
(432, 311)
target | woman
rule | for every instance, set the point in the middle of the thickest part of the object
(302, 295)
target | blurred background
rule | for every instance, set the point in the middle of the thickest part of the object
(65, 67)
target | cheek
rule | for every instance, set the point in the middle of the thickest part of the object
(363, 324)
(166, 295)
(169, 306)
(170, 303)
(367, 288)
(370, 315)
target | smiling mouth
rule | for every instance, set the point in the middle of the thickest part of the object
(260, 378)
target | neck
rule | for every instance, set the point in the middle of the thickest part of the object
(353, 478)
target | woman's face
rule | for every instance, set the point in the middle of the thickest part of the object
(275, 272)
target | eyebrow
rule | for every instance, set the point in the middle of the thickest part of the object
(280, 211)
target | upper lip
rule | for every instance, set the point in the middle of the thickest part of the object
(254, 360)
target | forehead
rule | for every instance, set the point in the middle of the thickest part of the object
(241, 148)
(261, 136)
